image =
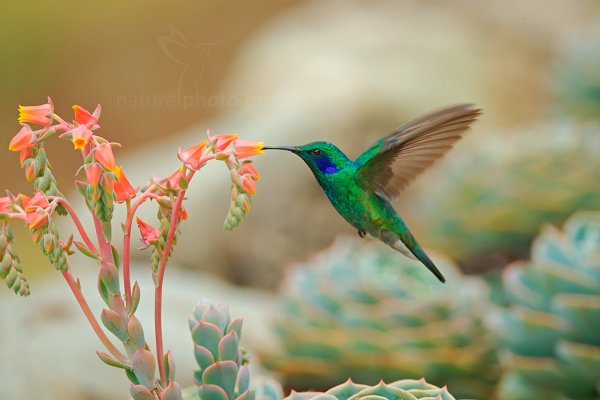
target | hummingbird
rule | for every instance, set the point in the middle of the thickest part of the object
(362, 190)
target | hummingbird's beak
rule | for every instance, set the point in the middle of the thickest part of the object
(287, 148)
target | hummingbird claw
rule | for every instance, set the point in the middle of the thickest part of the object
(362, 233)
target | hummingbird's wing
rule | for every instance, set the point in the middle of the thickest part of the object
(392, 162)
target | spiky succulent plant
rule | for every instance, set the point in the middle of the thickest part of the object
(360, 310)
(551, 332)
(405, 389)
(485, 207)
(223, 372)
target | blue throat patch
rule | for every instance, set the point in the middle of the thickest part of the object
(325, 165)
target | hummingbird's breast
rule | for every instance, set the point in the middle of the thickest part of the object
(361, 208)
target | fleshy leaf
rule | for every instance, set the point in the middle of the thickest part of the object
(207, 335)
(222, 374)
(228, 347)
(212, 392)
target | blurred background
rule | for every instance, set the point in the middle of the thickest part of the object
(290, 72)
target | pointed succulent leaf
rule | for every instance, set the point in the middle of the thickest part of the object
(169, 364)
(204, 358)
(216, 316)
(197, 375)
(141, 392)
(136, 332)
(385, 391)
(131, 376)
(109, 275)
(85, 250)
(207, 335)
(172, 392)
(243, 379)
(228, 347)
(109, 360)
(346, 390)
(212, 392)
(135, 298)
(222, 374)
(143, 365)
(236, 326)
(115, 324)
(201, 306)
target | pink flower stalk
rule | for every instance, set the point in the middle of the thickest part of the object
(39, 115)
(249, 169)
(248, 184)
(224, 140)
(104, 155)
(22, 140)
(247, 148)
(149, 233)
(93, 173)
(83, 116)
(123, 188)
(80, 136)
(192, 157)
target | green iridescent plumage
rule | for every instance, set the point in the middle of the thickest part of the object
(361, 190)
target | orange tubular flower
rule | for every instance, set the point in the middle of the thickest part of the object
(32, 205)
(93, 172)
(123, 188)
(104, 155)
(83, 116)
(249, 169)
(22, 140)
(39, 115)
(192, 156)
(173, 181)
(80, 137)
(247, 148)
(4, 203)
(224, 140)
(149, 233)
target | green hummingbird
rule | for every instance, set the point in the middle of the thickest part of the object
(361, 190)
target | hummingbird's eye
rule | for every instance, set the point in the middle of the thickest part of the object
(316, 152)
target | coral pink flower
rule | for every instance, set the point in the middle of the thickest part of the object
(4, 203)
(31, 205)
(173, 181)
(80, 137)
(248, 184)
(25, 154)
(224, 140)
(123, 188)
(104, 155)
(108, 183)
(192, 156)
(93, 172)
(247, 148)
(83, 116)
(149, 233)
(22, 140)
(39, 115)
(249, 169)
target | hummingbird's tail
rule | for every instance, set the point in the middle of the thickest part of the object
(406, 244)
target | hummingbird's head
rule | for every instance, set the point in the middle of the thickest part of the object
(323, 158)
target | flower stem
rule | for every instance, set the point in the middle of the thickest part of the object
(131, 210)
(90, 316)
(76, 221)
(160, 278)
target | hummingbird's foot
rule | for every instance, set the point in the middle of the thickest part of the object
(362, 233)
